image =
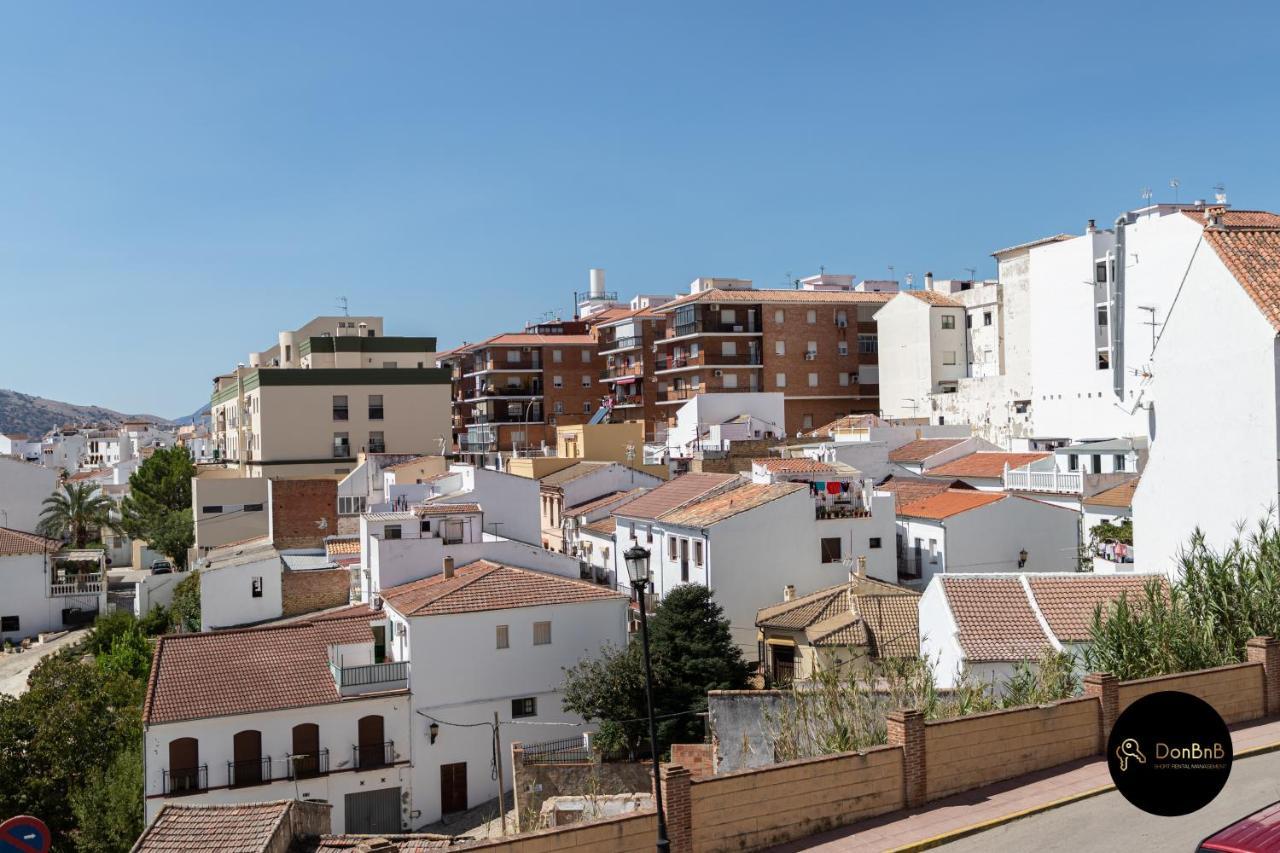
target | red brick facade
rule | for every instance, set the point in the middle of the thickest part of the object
(303, 512)
(1266, 651)
(306, 592)
(906, 729)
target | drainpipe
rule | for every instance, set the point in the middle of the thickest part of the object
(1116, 310)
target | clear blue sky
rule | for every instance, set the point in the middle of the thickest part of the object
(179, 181)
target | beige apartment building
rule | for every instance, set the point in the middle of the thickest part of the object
(326, 393)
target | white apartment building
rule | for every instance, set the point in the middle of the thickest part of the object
(579, 483)
(511, 505)
(520, 629)
(922, 345)
(23, 488)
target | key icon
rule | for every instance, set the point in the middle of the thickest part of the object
(1127, 749)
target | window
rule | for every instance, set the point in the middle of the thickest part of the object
(779, 315)
(513, 356)
(351, 505)
(831, 549)
(648, 534)
(842, 347)
(729, 348)
(1095, 461)
(780, 380)
(542, 633)
(375, 407)
(341, 445)
(968, 321)
(671, 547)
(253, 507)
(844, 377)
(1119, 462)
(842, 318)
(586, 381)
(728, 316)
(933, 551)
(868, 344)
(697, 552)
(255, 588)
(558, 408)
(730, 380)
(1100, 272)
(557, 356)
(524, 707)
(779, 347)
(391, 531)
(1102, 315)
(813, 380)
(811, 317)
(873, 542)
(586, 356)
(986, 318)
(212, 509)
(586, 408)
(806, 421)
(390, 364)
(1073, 462)
(9, 623)
(1104, 359)
(949, 357)
(557, 381)
(340, 407)
(377, 442)
(504, 637)
(948, 321)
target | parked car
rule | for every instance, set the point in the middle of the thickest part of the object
(1256, 833)
(161, 567)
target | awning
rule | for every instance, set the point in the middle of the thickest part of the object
(625, 379)
(779, 641)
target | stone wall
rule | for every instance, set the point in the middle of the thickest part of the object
(533, 783)
(317, 589)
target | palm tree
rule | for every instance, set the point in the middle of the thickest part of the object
(76, 511)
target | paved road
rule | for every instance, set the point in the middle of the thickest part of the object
(14, 668)
(1108, 823)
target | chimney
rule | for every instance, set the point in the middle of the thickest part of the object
(1093, 227)
(861, 571)
(789, 592)
(928, 281)
(448, 567)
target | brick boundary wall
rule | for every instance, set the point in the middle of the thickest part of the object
(314, 589)
(924, 760)
(694, 756)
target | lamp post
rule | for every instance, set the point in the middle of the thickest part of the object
(637, 560)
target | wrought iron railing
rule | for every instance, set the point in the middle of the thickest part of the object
(251, 771)
(308, 764)
(367, 755)
(186, 780)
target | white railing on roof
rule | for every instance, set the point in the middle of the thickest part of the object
(1059, 482)
(86, 585)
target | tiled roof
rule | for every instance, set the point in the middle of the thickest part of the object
(1117, 496)
(1253, 257)
(604, 527)
(214, 674)
(893, 622)
(603, 501)
(907, 490)
(350, 545)
(483, 585)
(921, 449)
(949, 503)
(794, 465)
(673, 494)
(15, 542)
(935, 298)
(1067, 602)
(90, 475)
(630, 314)
(809, 609)
(724, 505)
(529, 339)
(1056, 238)
(848, 422)
(834, 297)
(572, 472)
(1241, 219)
(415, 462)
(994, 619)
(237, 828)
(984, 463)
(445, 509)
(843, 629)
(407, 843)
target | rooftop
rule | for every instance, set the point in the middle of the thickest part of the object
(484, 585)
(1120, 496)
(949, 503)
(907, 490)
(674, 494)
(834, 297)
(933, 297)
(603, 501)
(724, 505)
(794, 465)
(1248, 242)
(604, 527)
(880, 615)
(572, 472)
(433, 509)
(1056, 238)
(845, 424)
(984, 463)
(16, 542)
(236, 828)
(921, 449)
(1067, 602)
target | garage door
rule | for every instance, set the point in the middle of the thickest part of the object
(373, 811)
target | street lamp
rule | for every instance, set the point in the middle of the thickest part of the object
(637, 560)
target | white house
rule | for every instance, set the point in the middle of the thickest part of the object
(924, 453)
(981, 626)
(485, 642)
(1227, 298)
(313, 710)
(47, 589)
(23, 488)
(510, 502)
(579, 483)
(713, 421)
(922, 351)
(967, 530)
(865, 442)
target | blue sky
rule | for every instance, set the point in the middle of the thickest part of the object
(179, 181)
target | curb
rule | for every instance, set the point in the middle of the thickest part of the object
(974, 829)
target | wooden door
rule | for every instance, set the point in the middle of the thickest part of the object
(370, 752)
(246, 767)
(453, 788)
(306, 750)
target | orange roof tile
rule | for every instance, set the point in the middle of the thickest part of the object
(984, 463)
(235, 828)
(933, 297)
(603, 501)
(673, 494)
(1068, 602)
(603, 527)
(949, 503)
(15, 542)
(342, 546)
(848, 422)
(483, 585)
(1253, 258)
(718, 507)
(778, 296)
(907, 490)
(794, 465)
(994, 619)
(921, 449)
(445, 509)
(1117, 496)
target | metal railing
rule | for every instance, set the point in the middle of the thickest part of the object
(570, 750)
(713, 327)
(373, 673)
(367, 755)
(305, 765)
(252, 771)
(188, 780)
(622, 343)
(708, 359)
(1068, 482)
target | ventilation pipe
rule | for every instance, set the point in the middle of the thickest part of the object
(789, 592)
(1116, 325)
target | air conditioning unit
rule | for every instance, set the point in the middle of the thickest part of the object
(738, 328)
(842, 323)
(810, 356)
(526, 349)
(714, 307)
(718, 373)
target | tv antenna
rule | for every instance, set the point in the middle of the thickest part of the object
(973, 273)
(1150, 309)
(1174, 183)
(342, 303)
(891, 278)
(910, 279)
(1219, 193)
(1146, 195)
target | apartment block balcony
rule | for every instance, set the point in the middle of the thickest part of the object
(527, 361)
(532, 415)
(688, 392)
(622, 371)
(619, 344)
(1054, 482)
(748, 326)
(370, 678)
(705, 358)
(533, 389)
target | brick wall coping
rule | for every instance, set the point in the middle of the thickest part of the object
(1004, 711)
(639, 814)
(1192, 673)
(795, 762)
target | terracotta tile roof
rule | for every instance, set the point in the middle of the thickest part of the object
(809, 609)
(984, 463)
(95, 474)
(893, 622)
(604, 527)
(218, 673)
(994, 619)
(674, 494)
(921, 449)
(718, 507)
(333, 547)
(1242, 219)
(781, 297)
(932, 297)
(843, 629)
(603, 501)
(572, 472)
(1067, 602)
(794, 465)
(530, 339)
(415, 462)
(907, 490)
(483, 585)
(15, 542)
(1056, 238)
(844, 424)
(949, 503)
(1117, 496)
(407, 843)
(1253, 257)
(637, 313)
(238, 828)
(432, 509)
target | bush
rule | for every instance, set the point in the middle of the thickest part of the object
(184, 610)
(156, 621)
(108, 807)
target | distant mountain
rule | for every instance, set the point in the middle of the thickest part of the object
(198, 414)
(36, 415)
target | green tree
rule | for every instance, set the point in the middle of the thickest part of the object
(609, 689)
(158, 506)
(76, 512)
(108, 806)
(184, 610)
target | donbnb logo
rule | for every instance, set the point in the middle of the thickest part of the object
(1127, 749)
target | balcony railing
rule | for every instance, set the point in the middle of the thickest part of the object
(532, 390)
(187, 780)
(78, 585)
(253, 771)
(532, 415)
(373, 676)
(1058, 482)
(824, 512)
(709, 359)
(309, 764)
(714, 327)
(622, 343)
(619, 371)
(367, 755)
(501, 364)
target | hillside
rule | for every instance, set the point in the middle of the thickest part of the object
(36, 415)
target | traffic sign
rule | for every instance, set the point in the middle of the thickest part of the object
(24, 834)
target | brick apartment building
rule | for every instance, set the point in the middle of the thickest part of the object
(627, 351)
(817, 345)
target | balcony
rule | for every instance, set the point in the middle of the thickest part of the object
(308, 765)
(707, 359)
(369, 678)
(1054, 482)
(369, 755)
(621, 344)
(532, 416)
(88, 584)
(622, 371)
(184, 781)
(829, 512)
(688, 392)
(253, 771)
(714, 327)
(528, 361)
(533, 389)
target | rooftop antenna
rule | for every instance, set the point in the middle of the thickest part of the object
(1219, 193)
(1150, 309)
(1146, 196)
(1174, 183)
(909, 279)
(342, 303)
(973, 273)
(822, 269)
(891, 278)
